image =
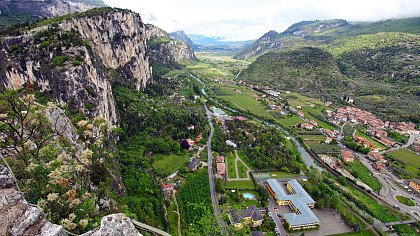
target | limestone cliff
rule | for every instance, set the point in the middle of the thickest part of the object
(119, 38)
(49, 8)
(74, 61)
(165, 50)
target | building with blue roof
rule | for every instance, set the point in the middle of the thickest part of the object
(298, 200)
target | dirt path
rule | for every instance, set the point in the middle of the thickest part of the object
(179, 216)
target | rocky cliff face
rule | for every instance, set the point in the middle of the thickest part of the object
(119, 38)
(17, 217)
(165, 50)
(48, 8)
(72, 61)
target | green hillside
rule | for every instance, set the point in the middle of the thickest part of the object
(381, 70)
(305, 69)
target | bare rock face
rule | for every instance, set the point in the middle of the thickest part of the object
(49, 8)
(83, 87)
(115, 225)
(163, 49)
(17, 217)
(119, 39)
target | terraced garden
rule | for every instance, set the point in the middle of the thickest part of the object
(358, 170)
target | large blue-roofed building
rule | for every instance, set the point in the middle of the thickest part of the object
(298, 200)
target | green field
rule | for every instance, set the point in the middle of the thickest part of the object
(242, 184)
(407, 161)
(358, 170)
(360, 233)
(291, 121)
(318, 138)
(242, 98)
(231, 165)
(311, 112)
(242, 169)
(371, 140)
(405, 201)
(296, 99)
(245, 159)
(282, 175)
(407, 156)
(166, 165)
(405, 230)
(373, 207)
(173, 219)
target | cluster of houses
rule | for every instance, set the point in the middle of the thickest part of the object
(378, 161)
(359, 116)
(221, 167)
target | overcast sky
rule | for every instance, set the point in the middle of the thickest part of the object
(249, 19)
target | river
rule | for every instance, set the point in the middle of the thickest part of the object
(309, 161)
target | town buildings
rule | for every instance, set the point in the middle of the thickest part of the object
(194, 165)
(415, 184)
(347, 155)
(221, 169)
(299, 201)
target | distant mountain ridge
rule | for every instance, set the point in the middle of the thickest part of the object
(181, 35)
(320, 32)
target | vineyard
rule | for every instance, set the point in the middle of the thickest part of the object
(194, 198)
(358, 170)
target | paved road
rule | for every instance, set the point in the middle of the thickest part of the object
(271, 205)
(213, 193)
(149, 228)
(389, 189)
(411, 140)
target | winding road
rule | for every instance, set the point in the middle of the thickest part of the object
(213, 193)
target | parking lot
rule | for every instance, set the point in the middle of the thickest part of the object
(330, 223)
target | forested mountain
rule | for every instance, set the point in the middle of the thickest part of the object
(23, 11)
(369, 61)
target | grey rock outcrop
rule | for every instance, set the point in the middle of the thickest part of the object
(17, 217)
(115, 225)
(163, 49)
(49, 8)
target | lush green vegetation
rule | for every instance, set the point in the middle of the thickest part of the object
(291, 121)
(377, 210)
(350, 143)
(397, 137)
(360, 233)
(242, 98)
(70, 180)
(358, 170)
(168, 164)
(231, 165)
(404, 163)
(406, 201)
(155, 42)
(266, 148)
(240, 184)
(195, 204)
(406, 230)
(8, 19)
(306, 69)
(242, 170)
